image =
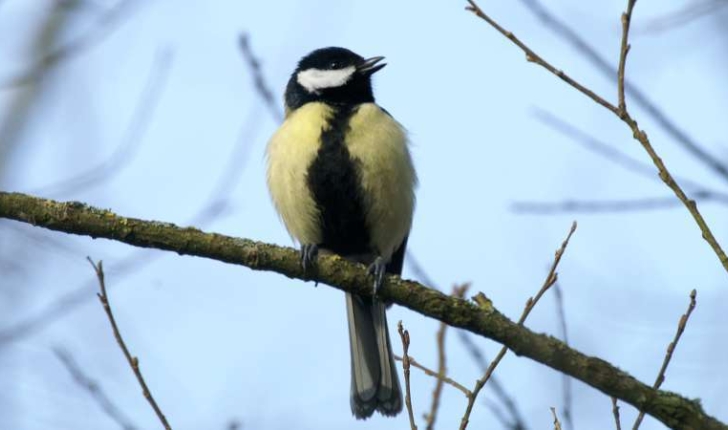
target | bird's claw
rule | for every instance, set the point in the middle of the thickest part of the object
(378, 269)
(309, 252)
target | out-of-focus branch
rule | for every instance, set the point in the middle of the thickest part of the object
(573, 37)
(20, 107)
(515, 421)
(530, 304)
(130, 143)
(404, 335)
(668, 355)
(459, 292)
(76, 218)
(93, 389)
(565, 380)
(622, 113)
(133, 361)
(693, 11)
(601, 206)
(259, 81)
(215, 205)
(101, 29)
(557, 424)
(611, 152)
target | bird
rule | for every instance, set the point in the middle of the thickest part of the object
(341, 177)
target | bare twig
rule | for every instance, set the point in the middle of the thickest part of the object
(557, 424)
(532, 57)
(572, 36)
(624, 50)
(615, 412)
(668, 355)
(133, 361)
(93, 389)
(429, 372)
(404, 334)
(551, 278)
(130, 143)
(638, 133)
(565, 379)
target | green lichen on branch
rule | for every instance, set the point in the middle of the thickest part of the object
(673, 410)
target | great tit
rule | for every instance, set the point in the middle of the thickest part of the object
(341, 177)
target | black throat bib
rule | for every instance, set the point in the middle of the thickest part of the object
(334, 179)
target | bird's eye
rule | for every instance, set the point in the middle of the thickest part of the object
(335, 65)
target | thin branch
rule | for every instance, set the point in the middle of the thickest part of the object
(131, 141)
(572, 36)
(101, 29)
(133, 361)
(668, 355)
(404, 334)
(530, 303)
(624, 50)
(429, 372)
(615, 412)
(638, 133)
(675, 411)
(93, 388)
(532, 57)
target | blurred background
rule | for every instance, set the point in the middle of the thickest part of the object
(154, 110)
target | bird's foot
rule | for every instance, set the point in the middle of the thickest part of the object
(309, 252)
(378, 269)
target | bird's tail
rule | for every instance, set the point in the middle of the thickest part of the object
(374, 381)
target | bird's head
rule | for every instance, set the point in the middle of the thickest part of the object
(332, 75)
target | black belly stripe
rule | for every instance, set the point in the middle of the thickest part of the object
(334, 179)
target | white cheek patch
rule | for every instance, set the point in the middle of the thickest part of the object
(314, 80)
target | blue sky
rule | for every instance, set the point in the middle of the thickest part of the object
(219, 342)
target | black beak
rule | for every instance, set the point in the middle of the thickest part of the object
(370, 66)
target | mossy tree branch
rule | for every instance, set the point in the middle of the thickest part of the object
(672, 409)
